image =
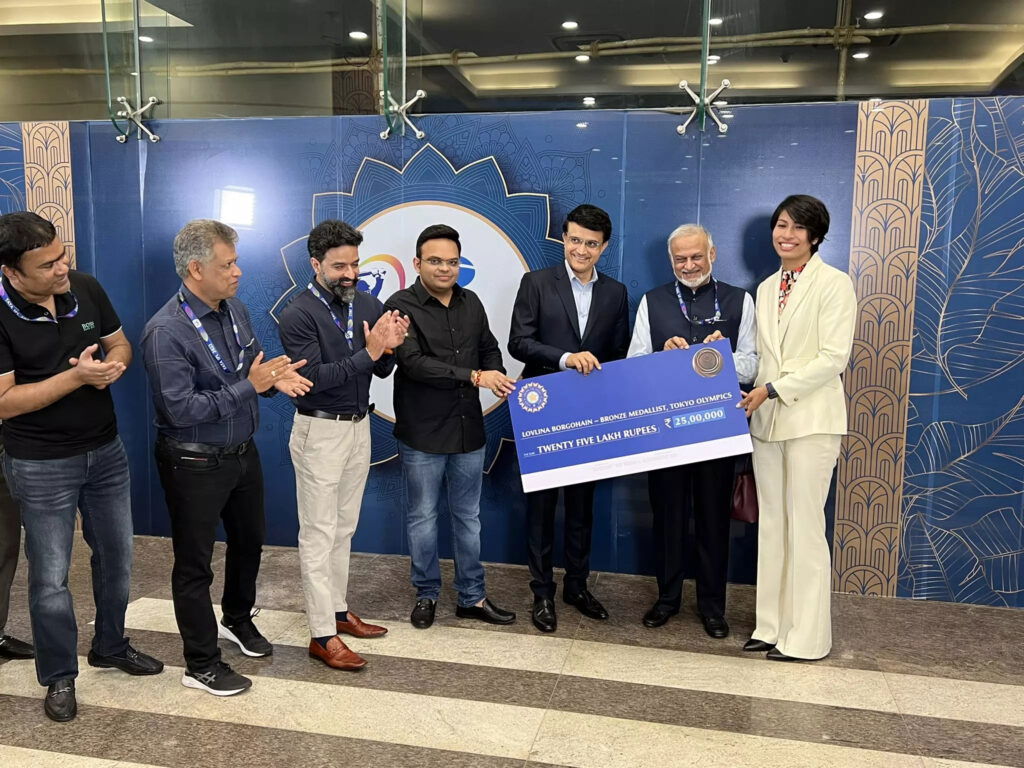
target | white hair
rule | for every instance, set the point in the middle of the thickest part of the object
(689, 230)
(195, 242)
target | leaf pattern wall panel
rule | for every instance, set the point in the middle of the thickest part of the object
(12, 169)
(963, 501)
(48, 188)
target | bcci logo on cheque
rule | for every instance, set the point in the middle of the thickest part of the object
(533, 397)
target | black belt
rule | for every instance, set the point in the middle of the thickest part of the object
(205, 448)
(337, 416)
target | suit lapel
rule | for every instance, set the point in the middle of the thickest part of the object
(801, 288)
(568, 301)
(769, 316)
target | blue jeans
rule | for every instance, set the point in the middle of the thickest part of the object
(49, 491)
(424, 474)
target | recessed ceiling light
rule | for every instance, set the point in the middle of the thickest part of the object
(145, 39)
(358, 35)
(715, 22)
(720, 103)
(861, 55)
(583, 58)
(589, 101)
(874, 15)
(713, 57)
(582, 125)
(875, 98)
(570, 25)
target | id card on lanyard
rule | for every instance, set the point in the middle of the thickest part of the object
(198, 325)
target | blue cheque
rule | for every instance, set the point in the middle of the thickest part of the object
(634, 415)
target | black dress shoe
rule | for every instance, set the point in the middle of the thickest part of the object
(13, 648)
(658, 615)
(716, 626)
(586, 604)
(757, 646)
(60, 704)
(486, 611)
(776, 655)
(544, 617)
(423, 614)
(131, 661)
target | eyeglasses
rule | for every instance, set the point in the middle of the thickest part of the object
(590, 245)
(433, 261)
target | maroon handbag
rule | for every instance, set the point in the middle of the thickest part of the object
(744, 491)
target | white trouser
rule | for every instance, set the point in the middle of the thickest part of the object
(331, 460)
(794, 569)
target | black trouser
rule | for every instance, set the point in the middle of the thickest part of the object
(202, 490)
(10, 545)
(579, 521)
(706, 488)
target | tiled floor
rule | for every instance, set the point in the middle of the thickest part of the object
(907, 684)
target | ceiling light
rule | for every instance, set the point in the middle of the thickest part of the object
(358, 35)
(583, 58)
(861, 55)
(713, 57)
(570, 25)
(874, 15)
(712, 61)
(145, 39)
(720, 103)
(589, 101)
(875, 98)
(715, 22)
(582, 125)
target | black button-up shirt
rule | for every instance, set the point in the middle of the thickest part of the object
(437, 408)
(340, 376)
(196, 400)
(32, 351)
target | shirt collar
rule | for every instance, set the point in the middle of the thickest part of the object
(423, 295)
(572, 275)
(63, 302)
(200, 307)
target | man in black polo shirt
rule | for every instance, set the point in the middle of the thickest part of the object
(450, 354)
(62, 450)
(694, 308)
(328, 324)
(205, 370)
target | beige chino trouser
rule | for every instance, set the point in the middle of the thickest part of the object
(794, 568)
(331, 460)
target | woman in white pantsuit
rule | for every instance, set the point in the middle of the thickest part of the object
(805, 320)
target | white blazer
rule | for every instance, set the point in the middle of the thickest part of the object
(803, 351)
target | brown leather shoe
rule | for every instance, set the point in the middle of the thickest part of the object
(359, 628)
(336, 654)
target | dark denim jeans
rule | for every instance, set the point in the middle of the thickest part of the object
(49, 491)
(424, 474)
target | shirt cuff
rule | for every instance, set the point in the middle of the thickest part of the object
(561, 362)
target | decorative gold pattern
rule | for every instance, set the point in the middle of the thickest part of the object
(883, 264)
(48, 188)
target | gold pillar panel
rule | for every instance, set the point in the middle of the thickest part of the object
(883, 264)
(48, 187)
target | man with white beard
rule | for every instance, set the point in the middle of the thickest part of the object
(694, 308)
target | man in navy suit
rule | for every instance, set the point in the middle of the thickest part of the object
(568, 317)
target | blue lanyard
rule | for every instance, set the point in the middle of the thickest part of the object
(707, 321)
(45, 318)
(198, 325)
(351, 315)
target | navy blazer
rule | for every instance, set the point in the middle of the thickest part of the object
(545, 324)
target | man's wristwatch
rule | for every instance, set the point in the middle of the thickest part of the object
(772, 394)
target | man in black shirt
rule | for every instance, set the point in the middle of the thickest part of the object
(62, 450)
(450, 353)
(328, 325)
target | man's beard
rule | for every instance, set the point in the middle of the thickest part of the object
(345, 293)
(693, 285)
